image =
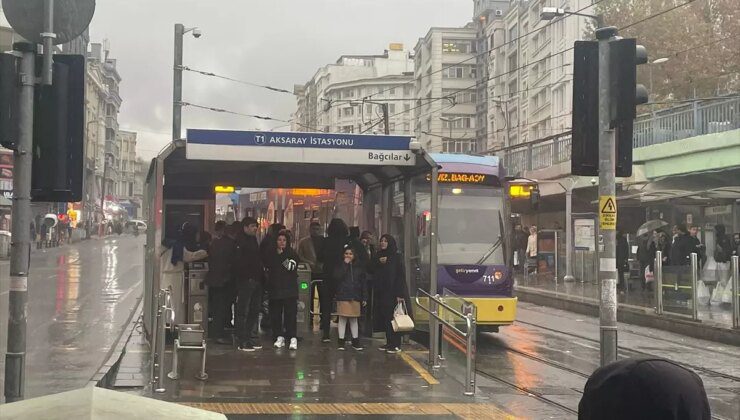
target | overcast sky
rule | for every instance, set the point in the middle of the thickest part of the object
(274, 42)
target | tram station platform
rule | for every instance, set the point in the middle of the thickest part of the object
(315, 381)
(636, 306)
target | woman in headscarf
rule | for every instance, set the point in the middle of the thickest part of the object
(390, 288)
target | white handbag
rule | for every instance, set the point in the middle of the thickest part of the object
(402, 322)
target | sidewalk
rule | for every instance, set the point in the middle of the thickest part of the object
(636, 306)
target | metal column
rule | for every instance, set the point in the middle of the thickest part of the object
(177, 84)
(735, 291)
(20, 249)
(694, 286)
(658, 280)
(433, 225)
(409, 215)
(386, 202)
(568, 234)
(607, 188)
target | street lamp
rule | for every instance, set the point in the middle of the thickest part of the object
(656, 61)
(180, 31)
(550, 13)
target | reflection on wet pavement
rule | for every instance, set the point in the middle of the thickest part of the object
(80, 297)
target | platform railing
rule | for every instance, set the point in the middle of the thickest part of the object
(164, 310)
(735, 266)
(437, 304)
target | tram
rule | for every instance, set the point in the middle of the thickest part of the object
(474, 242)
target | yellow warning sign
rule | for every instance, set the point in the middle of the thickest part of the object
(607, 212)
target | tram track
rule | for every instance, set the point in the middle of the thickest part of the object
(536, 395)
(638, 352)
(547, 362)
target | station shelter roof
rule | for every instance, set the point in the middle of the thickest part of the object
(286, 160)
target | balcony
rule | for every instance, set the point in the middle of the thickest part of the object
(111, 121)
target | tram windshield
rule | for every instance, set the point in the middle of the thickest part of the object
(469, 224)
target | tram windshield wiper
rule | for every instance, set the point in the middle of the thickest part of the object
(488, 253)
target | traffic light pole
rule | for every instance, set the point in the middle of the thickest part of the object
(177, 84)
(607, 190)
(20, 250)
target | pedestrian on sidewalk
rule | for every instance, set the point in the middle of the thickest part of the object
(248, 280)
(390, 285)
(351, 281)
(221, 256)
(697, 246)
(531, 250)
(282, 289)
(331, 257)
(722, 253)
(520, 246)
(623, 252)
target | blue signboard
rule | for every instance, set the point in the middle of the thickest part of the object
(300, 147)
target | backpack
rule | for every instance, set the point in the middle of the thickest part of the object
(722, 251)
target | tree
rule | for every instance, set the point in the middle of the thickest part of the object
(700, 38)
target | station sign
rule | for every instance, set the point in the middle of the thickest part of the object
(299, 147)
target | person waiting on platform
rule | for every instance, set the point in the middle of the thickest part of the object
(248, 277)
(351, 281)
(221, 255)
(390, 286)
(331, 257)
(282, 289)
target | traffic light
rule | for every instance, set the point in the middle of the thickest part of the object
(58, 133)
(9, 100)
(624, 57)
(585, 117)
(624, 96)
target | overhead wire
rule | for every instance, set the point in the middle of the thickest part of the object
(207, 73)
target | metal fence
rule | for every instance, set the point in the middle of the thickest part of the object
(689, 120)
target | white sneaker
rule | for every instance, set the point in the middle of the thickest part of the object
(279, 343)
(293, 344)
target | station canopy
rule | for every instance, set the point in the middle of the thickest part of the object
(269, 159)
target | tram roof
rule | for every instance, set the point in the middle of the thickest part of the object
(195, 178)
(450, 162)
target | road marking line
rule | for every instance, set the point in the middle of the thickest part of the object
(462, 410)
(431, 380)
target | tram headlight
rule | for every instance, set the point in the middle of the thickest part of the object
(498, 275)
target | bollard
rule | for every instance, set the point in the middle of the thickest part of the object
(694, 287)
(735, 292)
(469, 356)
(658, 276)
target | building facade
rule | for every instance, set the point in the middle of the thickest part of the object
(348, 96)
(446, 77)
(532, 69)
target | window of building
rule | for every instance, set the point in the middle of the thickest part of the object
(459, 72)
(368, 110)
(512, 62)
(392, 108)
(348, 112)
(348, 129)
(392, 127)
(457, 46)
(392, 91)
(458, 146)
(512, 87)
(406, 90)
(513, 33)
(406, 127)
(406, 107)
(339, 112)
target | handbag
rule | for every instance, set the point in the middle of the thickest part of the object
(402, 322)
(727, 295)
(702, 293)
(649, 276)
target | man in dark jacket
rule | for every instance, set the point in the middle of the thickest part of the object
(249, 277)
(623, 252)
(682, 247)
(220, 261)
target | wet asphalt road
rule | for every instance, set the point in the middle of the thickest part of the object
(549, 355)
(80, 298)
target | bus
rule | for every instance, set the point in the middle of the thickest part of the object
(474, 245)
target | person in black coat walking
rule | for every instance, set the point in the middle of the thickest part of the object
(248, 278)
(282, 289)
(331, 257)
(351, 281)
(390, 286)
(221, 255)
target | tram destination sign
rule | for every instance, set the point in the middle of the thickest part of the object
(271, 146)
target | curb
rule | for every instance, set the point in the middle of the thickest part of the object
(106, 374)
(644, 317)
